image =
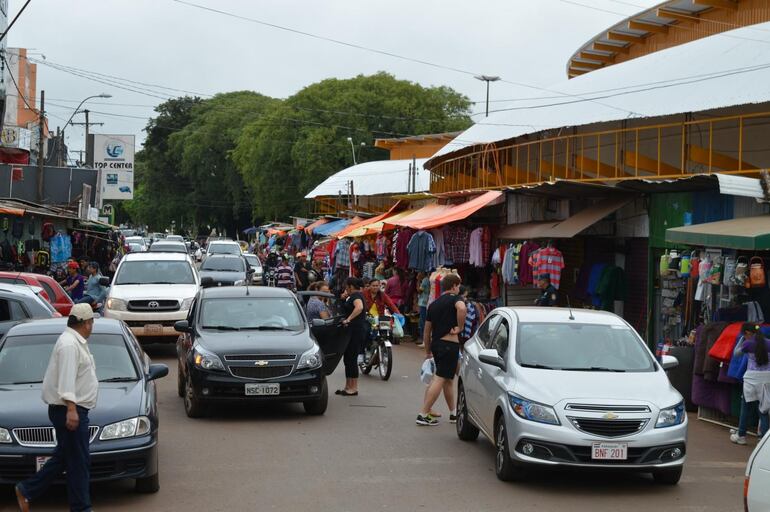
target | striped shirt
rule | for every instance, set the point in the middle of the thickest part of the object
(284, 276)
(548, 261)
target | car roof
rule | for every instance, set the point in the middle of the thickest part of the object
(222, 255)
(20, 289)
(224, 242)
(155, 256)
(259, 292)
(557, 315)
(57, 325)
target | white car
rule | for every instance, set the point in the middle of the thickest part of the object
(137, 240)
(223, 247)
(553, 387)
(151, 291)
(756, 489)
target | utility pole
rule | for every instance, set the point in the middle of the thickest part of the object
(414, 174)
(88, 125)
(40, 162)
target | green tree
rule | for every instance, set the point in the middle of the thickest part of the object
(302, 141)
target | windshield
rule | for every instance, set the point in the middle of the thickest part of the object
(24, 359)
(224, 248)
(243, 313)
(175, 238)
(155, 272)
(218, 264)
(582, 347)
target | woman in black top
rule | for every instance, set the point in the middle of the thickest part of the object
(356, 321)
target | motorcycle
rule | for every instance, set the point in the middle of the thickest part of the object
(379, 349)
(270, 278)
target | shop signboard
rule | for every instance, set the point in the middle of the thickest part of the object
(15, 137)
(113, 157)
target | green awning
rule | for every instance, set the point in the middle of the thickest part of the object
(748, 233)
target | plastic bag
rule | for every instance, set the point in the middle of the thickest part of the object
(398, 325)
(427, 370)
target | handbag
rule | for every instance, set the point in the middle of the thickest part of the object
(685, 267)
(729, 270)
(665, 259)
(715, 273)
(741, 271)
(757, 272)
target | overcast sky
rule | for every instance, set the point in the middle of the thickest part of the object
(176, 46)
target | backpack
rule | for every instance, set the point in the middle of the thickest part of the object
(18, 228)
(757, 272)
(741, 271)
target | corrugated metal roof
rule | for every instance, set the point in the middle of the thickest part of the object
(710, 73)
(374, 178)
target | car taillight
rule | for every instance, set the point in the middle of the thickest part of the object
(746, 494)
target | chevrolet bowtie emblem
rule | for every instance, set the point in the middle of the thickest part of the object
(260, 363)
(610, 416)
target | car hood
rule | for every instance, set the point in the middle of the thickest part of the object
(153, 291)
(553, 387)
(261, 342)
(223, 276)
(24, 407)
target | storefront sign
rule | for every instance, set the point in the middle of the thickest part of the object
(114, 158)
(16, 138)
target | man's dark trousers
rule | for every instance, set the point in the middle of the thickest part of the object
(71, 455)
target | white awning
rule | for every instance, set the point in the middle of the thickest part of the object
(373, 178)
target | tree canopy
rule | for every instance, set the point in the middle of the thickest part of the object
(241, 156)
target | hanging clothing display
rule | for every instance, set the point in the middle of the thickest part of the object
(400, 244)
(421, 249)
(547, 261)
(439, 257)
(342, 254)
(476, 256)
(526, 277)
(456, 245)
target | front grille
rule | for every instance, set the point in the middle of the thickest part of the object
(608, 428)
(153, 305)
(142, 323)
(607, 408)
(263, 357)
(265, 372)
(44, 437)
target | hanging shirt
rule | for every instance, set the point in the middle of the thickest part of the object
(548, 261)
(456, 244)
(439, 257)
(421, 249)
(342, 254)
(476, 249)
(401, 251)
(524, 268)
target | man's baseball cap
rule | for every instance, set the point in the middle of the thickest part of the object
(82, 312)
(73, 264)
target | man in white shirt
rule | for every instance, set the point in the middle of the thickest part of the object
(70, 388)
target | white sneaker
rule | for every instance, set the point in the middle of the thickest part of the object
(735, 438)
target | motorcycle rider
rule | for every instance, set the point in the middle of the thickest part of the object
(271, 263)
(377, 300)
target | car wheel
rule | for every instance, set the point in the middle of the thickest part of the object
(466, 430)
(505, 469)
(318, 406)
(192, 404)
(668, 476)
(180, 386)
(148, 485)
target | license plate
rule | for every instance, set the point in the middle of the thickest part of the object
(40, 462)
(609, 451)
(263, 389)
(153, 329)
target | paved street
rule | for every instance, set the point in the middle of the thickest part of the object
(366, 453)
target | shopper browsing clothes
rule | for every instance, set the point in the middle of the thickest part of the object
(756, 382)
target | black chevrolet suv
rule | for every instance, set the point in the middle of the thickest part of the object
(254, 344)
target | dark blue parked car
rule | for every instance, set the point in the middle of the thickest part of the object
(124, 424)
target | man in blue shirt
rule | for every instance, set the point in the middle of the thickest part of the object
(94, 291)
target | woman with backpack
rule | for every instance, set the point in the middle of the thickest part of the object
(756, 382)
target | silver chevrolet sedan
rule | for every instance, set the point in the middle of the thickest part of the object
(579, 388)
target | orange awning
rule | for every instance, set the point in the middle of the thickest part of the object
(460, 211)
(354, 228)
(11, 211)
(424, 213)
(310, 227)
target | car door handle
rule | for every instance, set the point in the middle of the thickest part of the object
(480, 373)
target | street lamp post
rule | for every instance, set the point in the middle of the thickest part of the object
(353, 149)
(77, 109)
(487, 79)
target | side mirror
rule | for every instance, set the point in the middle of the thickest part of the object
(182, 326)
(157, 371)
(491, 357)
(251, 271)
(207, 282)
(104, 281)
(318, 322)
(669, 362)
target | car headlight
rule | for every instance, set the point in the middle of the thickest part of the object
(116, 304)
(533, 411)
(127, 428)
(5, 436)
(311, 359)
(187, 303)
(671, 417)
(206, 360)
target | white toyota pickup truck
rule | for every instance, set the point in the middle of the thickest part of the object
(150, 292)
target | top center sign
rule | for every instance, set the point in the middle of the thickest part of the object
(114, 157)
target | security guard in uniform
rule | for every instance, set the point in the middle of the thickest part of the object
(550, 295)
